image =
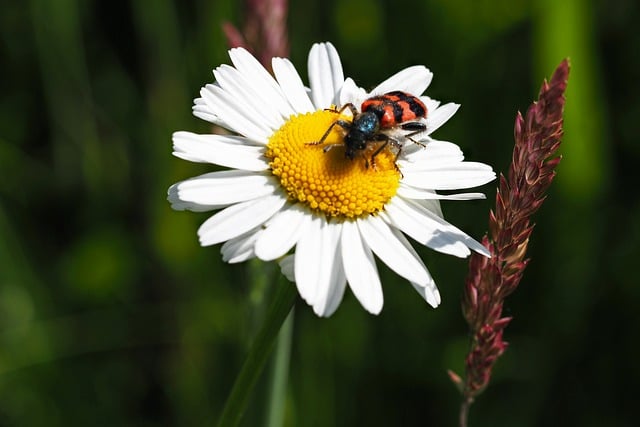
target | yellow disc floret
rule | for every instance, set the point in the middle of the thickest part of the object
(324, 179)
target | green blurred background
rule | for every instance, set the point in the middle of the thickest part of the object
(112, 315)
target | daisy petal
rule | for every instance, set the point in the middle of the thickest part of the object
(260, 82)
(325, 74)
(435, 153)
(226, 187)
(409, 192)
(238, 89)
(432, 205)
(238, 116)
(332, 283)
(282, 232)
(286, 267)
(292, 85)
(239, 218)
(192, 207)
(360, 269)
(335, 297)
(306, 266)
(429, 292)
(451, 176)
(351, 93)
(413, 80)
(427, 289)
(201, 110)
(429, 284)
(393, 249)
(241, 248)
(440, 115)
(223, 150)
(180, 205)
(430, 103)
(413, 221)
(318, 267)
(430, 229)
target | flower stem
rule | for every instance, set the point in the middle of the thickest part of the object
(279, 374)
(281, 305)
(464, 412)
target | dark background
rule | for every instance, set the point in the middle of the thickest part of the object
(112, 315)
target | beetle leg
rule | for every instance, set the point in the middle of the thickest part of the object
(416, 128)
(342, 123)
(387, 140)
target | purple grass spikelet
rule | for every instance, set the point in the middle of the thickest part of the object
(264, 32)
(520, 194)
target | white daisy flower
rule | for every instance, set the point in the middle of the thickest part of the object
(323, 215)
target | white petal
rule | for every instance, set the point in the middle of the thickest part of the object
(286, 267)
(202, 110)
(430, 229)
(335, 297)
(193, 207)
(180, 205)
(423, 228)
(434, 153)
(318, 267)
(253, 101)
(235, 114)
(306, 267)
(351, 94)
(332, 282)
(226, 187)
(325, 74)
(432, 205)
(241, 248)
(451, 176)
(260, 81)
(360, 269)
(429, 292)
(282, 232)
(237, 219)
(409, 192)
(430, 103)
(292, 85)
(438, 117)
(413, 80)
(427, 287)
(224, 150)
(393, 249)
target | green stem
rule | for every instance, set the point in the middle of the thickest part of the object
(565, 29)
(281, 305)
(280, 373)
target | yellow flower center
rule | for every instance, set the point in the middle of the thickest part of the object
(326, 180)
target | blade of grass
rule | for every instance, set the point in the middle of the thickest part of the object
(65, 79)
(567, 29)
(285, 296)
(280, 375)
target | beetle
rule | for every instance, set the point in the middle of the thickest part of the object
(379, 114)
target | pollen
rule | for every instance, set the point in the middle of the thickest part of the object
(321, 176)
